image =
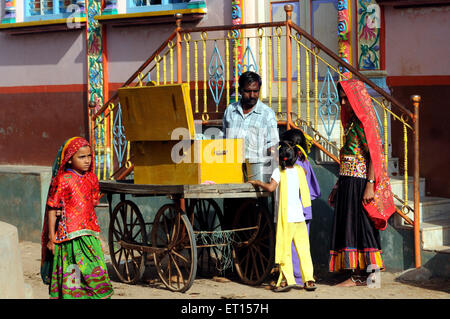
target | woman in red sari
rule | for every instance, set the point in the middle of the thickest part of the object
(362, 197)
(71, 248)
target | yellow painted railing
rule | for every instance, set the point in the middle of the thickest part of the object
(280, 48)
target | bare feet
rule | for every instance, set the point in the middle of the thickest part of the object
(353, 281)
(346, 283)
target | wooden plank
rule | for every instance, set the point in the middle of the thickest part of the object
(128, 187)
(227, 195)
(243, 187)
(243, 190)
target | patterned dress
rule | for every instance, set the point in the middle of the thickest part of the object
(76, 195)
(77, 268)
(355, 242)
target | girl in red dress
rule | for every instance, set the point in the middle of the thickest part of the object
(70, 241)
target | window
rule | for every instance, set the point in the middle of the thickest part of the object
(26, 13)
(52, 9)
(160, 5)
(9, 12)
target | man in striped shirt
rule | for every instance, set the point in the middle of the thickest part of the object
(253, 121)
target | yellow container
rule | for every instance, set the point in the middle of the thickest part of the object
(154, 118)
(188, 161)
(152, 113)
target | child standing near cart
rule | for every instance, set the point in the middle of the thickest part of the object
(302, 143)
(288, 180)
(72, 258)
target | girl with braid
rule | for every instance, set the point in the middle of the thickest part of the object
(288, 180)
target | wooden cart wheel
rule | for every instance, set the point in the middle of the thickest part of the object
(127, 226)
(176, 258)
(254, 249)
(205, 215)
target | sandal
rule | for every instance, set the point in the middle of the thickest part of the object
(359, 280)
(310, 286)
(283, 288)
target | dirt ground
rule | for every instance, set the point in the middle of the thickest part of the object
(208, 288)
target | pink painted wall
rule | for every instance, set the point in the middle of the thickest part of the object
(43, 76)
(417, 62)
(59, 58)
(129, 47)
(417, 41)
(52, 58)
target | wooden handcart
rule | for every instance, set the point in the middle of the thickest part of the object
(184, 169)
(173, 237)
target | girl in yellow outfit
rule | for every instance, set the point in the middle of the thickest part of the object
(286, 181)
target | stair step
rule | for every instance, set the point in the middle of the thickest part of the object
(436, 234)
(439, 249)
(434, 208)
(397, 186)
(431, 209)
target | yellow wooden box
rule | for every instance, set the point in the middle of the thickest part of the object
(150, 116)
(152, 113)
(188, 161)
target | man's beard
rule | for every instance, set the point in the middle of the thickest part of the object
(249, 103)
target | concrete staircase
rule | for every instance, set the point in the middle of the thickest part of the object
(434, 211)
(434, 215)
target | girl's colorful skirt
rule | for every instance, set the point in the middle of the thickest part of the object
(355, 243)
(79, 270)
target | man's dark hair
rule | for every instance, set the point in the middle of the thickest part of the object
(249, 77)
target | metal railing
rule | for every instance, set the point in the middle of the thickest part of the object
(299, 74)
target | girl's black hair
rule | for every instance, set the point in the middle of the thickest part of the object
(287, 154)
(295, 137)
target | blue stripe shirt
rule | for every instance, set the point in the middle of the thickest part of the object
(258, 128)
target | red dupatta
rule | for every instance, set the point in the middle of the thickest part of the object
(65, 153)
(382, 207)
